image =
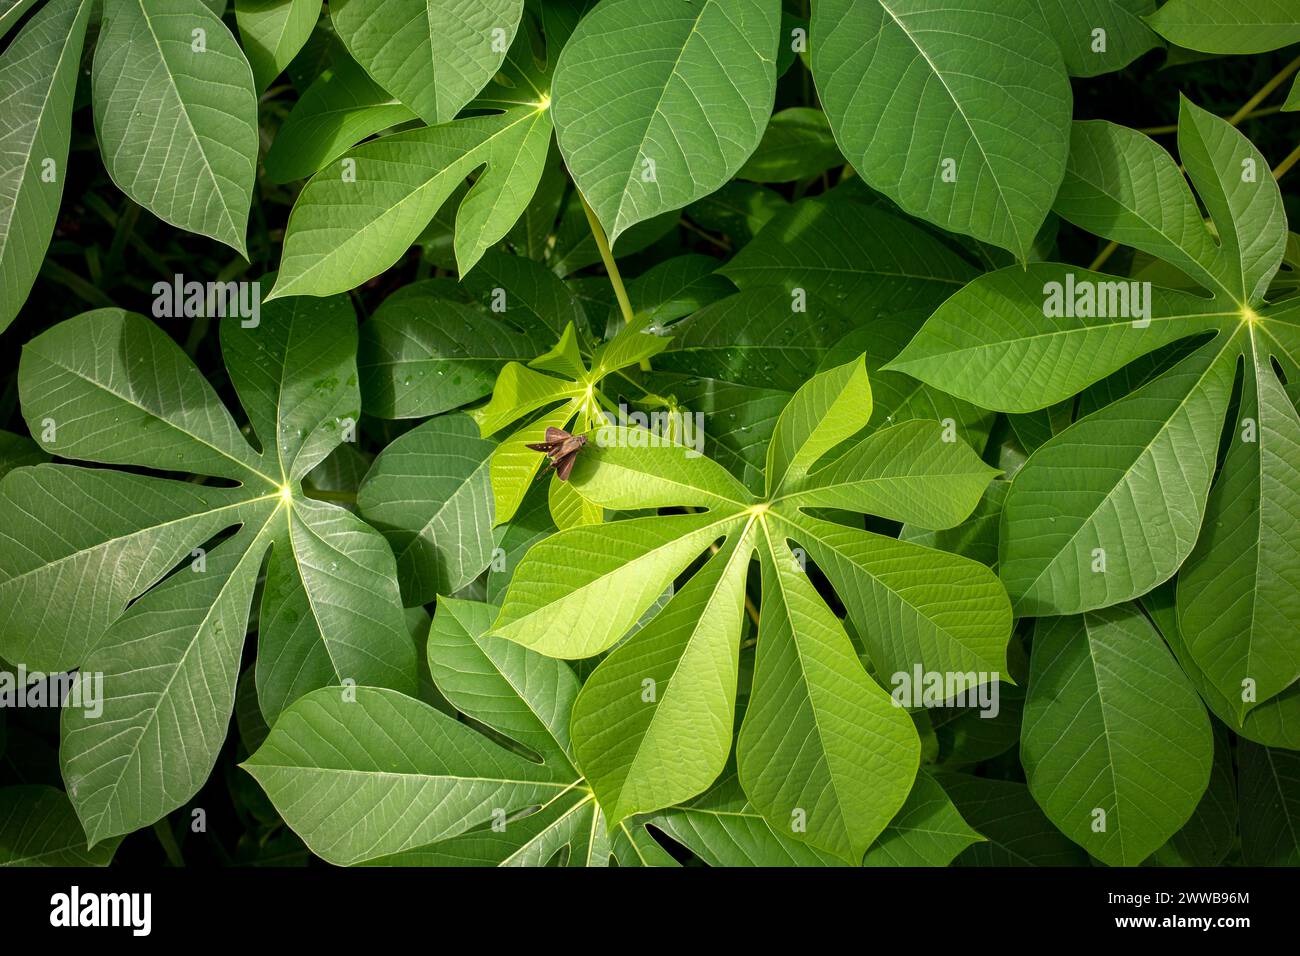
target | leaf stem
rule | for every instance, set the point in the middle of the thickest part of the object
(1280, 169)
(607, 257)
(162, 829)
(1102, 256)
(1264, 90)
(1173, 127)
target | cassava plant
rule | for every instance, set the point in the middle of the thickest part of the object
(647, 433)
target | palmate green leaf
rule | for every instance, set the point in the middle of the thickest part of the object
(738, 211)
(112, 388)
(722, 828)
(176, 115)
(1274, 723)
(1004, 813)
(622, 726)
(1117, 748)
(1211, 26)
(38, 827)
(428, 492)
(810, 689)
(738, 419)
(813, 707)
(1210, 833)
(1269, 797)
(1135, 475)
(798, 143)
(16, 451)
(435, 345)
(343, 231)
(433, 55)
(1135, 520)
(849, 256)
(385, 780)
(658, 103)
(976, 537)
(273, 31)
(11, 11)
(346, 774)
(339, 109)
(358, 215)
(913, 86)
(1073, 24)
(38, 76)
(928, 831)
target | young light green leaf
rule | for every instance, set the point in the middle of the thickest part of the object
(907, 472)
(578, 592)
(653, 723)
(824, 412)
(822, 751)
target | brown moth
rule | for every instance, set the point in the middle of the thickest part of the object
(562, 448)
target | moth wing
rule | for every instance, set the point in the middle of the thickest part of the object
(564, 465)
(556, 435)
(570, 446)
